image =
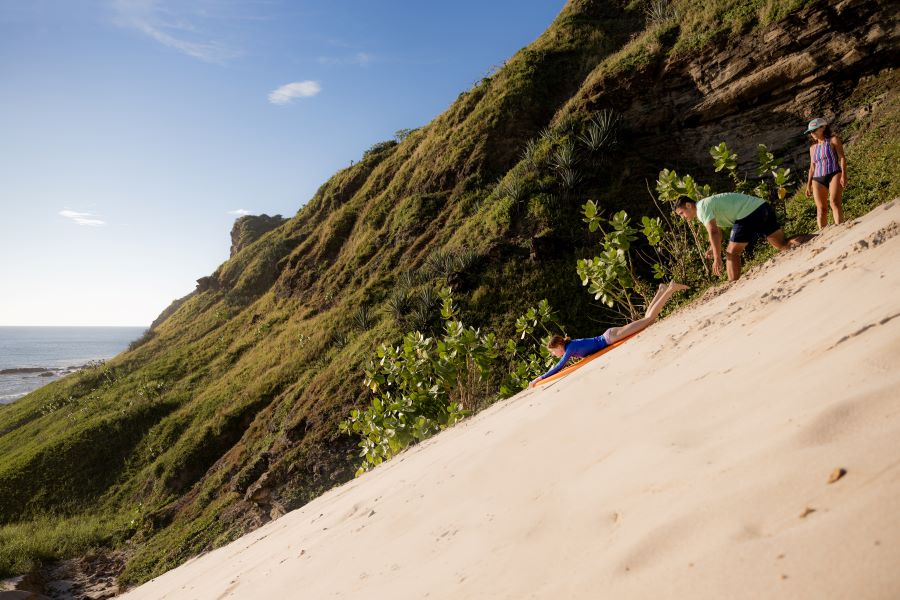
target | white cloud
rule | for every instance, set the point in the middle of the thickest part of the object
(162, 22)
(361, 59)
(82, 218)
(299, 89)
(239, 212)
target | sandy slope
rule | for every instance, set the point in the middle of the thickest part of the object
(693, 462)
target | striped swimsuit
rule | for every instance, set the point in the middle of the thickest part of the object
(825, 162)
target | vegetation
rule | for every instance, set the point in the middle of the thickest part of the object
(426, 384)
(227, 411)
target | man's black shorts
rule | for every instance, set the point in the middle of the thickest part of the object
(762, 222)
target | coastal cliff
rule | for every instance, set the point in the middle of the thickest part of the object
(227, 415)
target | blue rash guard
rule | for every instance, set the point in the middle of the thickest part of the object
(580, 348)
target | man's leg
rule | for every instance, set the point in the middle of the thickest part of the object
(778, 241)
(615, 334)
(733, 259)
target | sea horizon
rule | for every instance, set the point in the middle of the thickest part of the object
(32, 356)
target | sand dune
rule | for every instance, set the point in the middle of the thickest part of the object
(693, 462)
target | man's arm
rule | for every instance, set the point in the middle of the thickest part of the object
(715, 245)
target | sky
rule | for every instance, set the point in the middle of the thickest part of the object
(134, 132)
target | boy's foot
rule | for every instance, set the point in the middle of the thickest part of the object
(677, 287)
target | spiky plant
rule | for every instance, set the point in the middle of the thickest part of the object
(569, 178)
(564, 157)
(426, 300)
(339, 339)
(512, 188)
(549, 136)
(363, 318)
(600, 132)
(529, 157)
(398, 304)
(659, 12)
(464, 259)
(406, 280)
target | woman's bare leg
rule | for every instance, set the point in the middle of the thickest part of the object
(820, 197)
(615, 334)
(836, 194)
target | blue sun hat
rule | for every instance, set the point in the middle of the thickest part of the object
(815, 124)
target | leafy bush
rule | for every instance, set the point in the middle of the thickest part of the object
(674, 248)
(426, 384)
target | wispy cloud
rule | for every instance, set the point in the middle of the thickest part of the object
(174, 25)
(240, 212)
(290, 92)
(82, 218)
(361, 59)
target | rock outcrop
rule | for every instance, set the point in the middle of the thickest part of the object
(249, 228)
(760, 87)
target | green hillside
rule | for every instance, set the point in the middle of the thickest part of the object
(226, 414)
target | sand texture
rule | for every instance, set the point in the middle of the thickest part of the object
(701, 460)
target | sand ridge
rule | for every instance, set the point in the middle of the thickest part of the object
(692, 462)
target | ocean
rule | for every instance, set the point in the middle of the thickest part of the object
(34, 356)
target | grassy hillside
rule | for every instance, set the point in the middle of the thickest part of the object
(226, 414)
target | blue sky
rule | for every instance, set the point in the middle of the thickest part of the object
(134, 131)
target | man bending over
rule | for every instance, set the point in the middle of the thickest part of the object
(749, 218)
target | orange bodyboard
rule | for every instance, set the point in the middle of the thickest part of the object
(584, 361)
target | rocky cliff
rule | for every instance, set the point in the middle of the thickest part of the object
(227, 415)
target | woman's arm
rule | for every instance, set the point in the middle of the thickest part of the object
(839, 149)
(812, 170)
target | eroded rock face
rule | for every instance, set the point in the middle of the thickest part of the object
(761, 87)
(249, 228)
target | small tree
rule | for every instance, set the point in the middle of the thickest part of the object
(675, 246)
(426, 384)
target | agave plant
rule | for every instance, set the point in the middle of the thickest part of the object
(569, 178)
(426, 299)
(549, 136)
(529, 154)
(464, 259)
(398, 304)
(512, 188)
(406, 280)
(601, 131)
(564, 157)
(659, 12)
(339, 339)
(363, 318)
(419, 318)
(567, 123)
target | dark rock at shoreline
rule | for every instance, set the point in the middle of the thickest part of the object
(47, 374)
(23, 370)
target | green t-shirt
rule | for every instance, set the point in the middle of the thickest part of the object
(727, 208)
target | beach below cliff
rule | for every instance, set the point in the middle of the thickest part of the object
(744, 447)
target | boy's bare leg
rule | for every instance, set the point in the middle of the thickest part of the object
(659, 292)
(617, 333)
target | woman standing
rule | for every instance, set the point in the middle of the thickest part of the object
(827, 172)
